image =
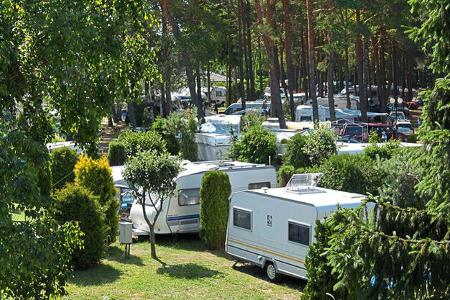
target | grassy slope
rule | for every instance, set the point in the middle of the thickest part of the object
(191, 272)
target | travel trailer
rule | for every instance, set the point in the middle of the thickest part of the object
(340, 101)
(273, 227)
(181, 212)
(216, 135)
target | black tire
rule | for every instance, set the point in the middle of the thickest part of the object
(271, 272)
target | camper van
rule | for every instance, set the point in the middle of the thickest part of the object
(273, 227)
(180, 213)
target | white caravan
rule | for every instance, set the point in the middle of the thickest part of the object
(273, 228)
(216, 136)
(180, 213)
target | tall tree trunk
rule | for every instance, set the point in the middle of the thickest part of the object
(208, 78)
(360, 68)
(394, 70)
(229, 53)
(312, 66)
(200, 107)
(330, 85)
(305, 60)
(251, 71)
(366, 65)
(272, 54)
(382, 72)
(288, 51)
(347, 79)
(376, 64)
(240, 62)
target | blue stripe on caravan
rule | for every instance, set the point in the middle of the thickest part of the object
(176, 218)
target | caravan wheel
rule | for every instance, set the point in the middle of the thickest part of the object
(271, 272)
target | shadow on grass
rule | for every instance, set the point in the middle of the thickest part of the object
(188, 271)
(117, 254)
(288, 281)
(98, 275)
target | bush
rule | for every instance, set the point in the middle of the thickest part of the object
(168, 128)
(295, 154)
(351, 173)
(135, 142)
(215, 191)
(256, 145)
(63, 161)
(383, 152)
(96, 176)
(320, 144)
(116, 153)
(374, 138)
(76, 203)
(284, 174)
(251, 119)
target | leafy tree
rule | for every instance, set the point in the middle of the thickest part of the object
(152, 176)
(256, 145)
(215, 190)
(25, 187)
(75, 203)
(320, 144)
(136, 142)
(295, 154)
(63, 161)
(96, 176)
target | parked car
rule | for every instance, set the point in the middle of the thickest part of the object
(264, 106)
(404, 128)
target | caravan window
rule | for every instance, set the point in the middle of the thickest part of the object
(189, 197)
(242, 218)
(258, 185)
(299, 233)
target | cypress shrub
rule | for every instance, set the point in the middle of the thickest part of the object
(77, 203)
(96, 176)
(215, 191)
(116, 153)
(62, 163)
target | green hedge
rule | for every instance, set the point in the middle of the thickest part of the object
(351, 173)
(62, 163)
(77, 203)
(96, 176)
(384, 151)
(116, 153)
(215, 191)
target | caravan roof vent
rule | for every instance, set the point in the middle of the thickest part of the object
(304, 183)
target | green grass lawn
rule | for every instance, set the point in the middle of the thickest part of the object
(186, 271)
